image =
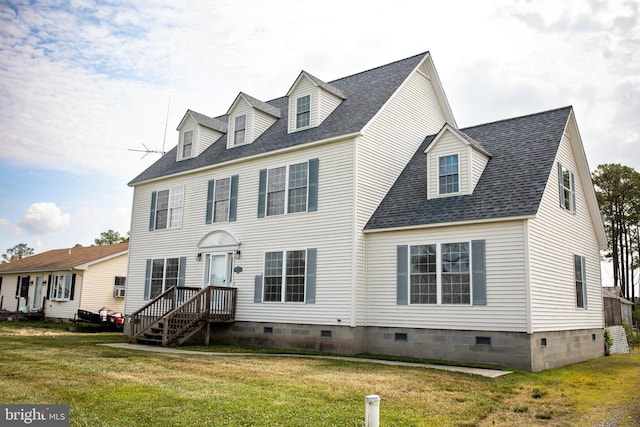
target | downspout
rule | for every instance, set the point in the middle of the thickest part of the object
(527, 276)
(354, 240)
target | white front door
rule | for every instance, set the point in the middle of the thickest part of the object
(37, 297)
(217, 269)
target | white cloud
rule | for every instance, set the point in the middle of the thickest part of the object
(44, 217)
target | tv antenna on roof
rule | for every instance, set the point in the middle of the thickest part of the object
(147, 150)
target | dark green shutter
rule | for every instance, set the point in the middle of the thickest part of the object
(210, 188)
(182, 265)
(18, 288)
(402, 276)
(233, 198)
(573, 194)
(560, 185)
(313, 185)
(49, 286)
(312, 255)
(73, 286)
(152, 214)
(257, 289)
(147, 280)
(479, 272)
(262, 193)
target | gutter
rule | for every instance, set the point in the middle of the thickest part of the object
(252, 157)
(449, 224)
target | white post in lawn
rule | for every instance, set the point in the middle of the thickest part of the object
(372, 411)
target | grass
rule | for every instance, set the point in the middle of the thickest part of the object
(44, 363)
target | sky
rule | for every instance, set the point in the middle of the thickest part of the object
(84, 82)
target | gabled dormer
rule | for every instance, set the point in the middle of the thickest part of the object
(455, 163)
(196, 133)
(310, 102)
(248, 119)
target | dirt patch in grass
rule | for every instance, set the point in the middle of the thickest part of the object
(32, 332)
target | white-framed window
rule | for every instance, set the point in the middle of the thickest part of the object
(285, 276)
(448, 174)
(167, 212)
(303, 111)
(61, 287)
(240, 126)
(440, 273)
(119, 285)
(287, 189)
(164, 275)
(187, 144)
(566, 185)
(580, 275)
(221, 197)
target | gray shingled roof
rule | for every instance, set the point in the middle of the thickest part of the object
(259, 105)
(326, 86)
(365, 93)
(523, 150)
(209, 122)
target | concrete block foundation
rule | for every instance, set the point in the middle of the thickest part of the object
(531, 352)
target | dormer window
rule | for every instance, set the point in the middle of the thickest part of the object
(448, 174)
(303, 111)
(240, 128)
(311, 101)
(187, 144)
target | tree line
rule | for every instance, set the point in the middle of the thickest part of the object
(22, 250)
(618, 192)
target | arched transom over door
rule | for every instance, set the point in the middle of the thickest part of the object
(218, 250)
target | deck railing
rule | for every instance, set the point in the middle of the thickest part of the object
(143, 319)
(213, 303)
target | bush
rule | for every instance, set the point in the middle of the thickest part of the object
(608, 341)
(635, 315)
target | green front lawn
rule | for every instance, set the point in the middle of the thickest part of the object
(44, 363)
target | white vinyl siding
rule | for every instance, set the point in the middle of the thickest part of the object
(393, 135)
(329, 230)
(261, 122)
(505, 307)
(97, 285)
(478, 163)
(553, 243)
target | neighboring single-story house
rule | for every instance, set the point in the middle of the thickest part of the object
(356, 216)
(61, 281)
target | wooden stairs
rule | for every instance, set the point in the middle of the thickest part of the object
(180, 312)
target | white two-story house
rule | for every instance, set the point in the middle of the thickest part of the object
(354, 216)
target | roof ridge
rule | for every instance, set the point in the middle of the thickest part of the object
(517, 117)
(275, 100)
(379, 66)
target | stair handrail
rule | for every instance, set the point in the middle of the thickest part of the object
(202, 306)
(145, 317)
(193, 311)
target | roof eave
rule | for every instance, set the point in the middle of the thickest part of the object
(450, 223)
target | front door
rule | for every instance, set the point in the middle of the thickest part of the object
(218, 269)
(37, 296)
